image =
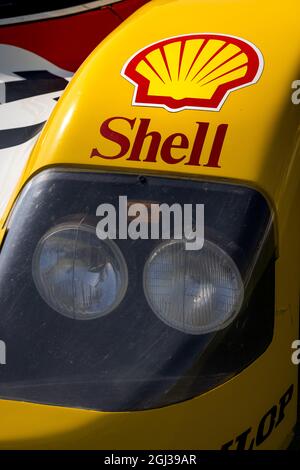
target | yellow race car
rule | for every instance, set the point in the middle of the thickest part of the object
(113, 334)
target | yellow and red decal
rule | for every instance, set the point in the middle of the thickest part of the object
(193, 71)
(147, 145)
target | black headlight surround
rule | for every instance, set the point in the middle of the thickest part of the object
(60, 361)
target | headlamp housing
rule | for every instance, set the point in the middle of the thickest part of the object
(141, 349)
(196, 292)
(77, 274)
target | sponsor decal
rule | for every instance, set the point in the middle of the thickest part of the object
(268, 423)
(193, 71)
(143, 143)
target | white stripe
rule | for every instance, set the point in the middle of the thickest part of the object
(21, 113)
(7, 76)
(56, 13)
(15, 59)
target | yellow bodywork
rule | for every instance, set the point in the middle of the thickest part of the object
(261, 149)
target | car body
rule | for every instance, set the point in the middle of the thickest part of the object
(250, 142)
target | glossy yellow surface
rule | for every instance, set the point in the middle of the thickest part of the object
(261, 149)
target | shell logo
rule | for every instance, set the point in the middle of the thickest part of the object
(194, 71)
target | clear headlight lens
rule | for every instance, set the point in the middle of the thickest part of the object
(77, 274)
(193, 291)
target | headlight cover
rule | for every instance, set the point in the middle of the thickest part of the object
(132, 354)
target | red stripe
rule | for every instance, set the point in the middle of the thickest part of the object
(226, 73)
(196, 56)
(181, 57)
(153, 69)
(211, 58)
(163, 53)
(68, 40)
(223, 63)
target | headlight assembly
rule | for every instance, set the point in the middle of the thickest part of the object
(165, 323)
(194, 291)
(77, 274)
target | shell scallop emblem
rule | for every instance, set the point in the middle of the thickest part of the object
(194, 71)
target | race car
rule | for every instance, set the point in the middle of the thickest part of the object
(116, 333)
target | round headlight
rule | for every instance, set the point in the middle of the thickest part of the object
(193, 291)
(77, 274)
